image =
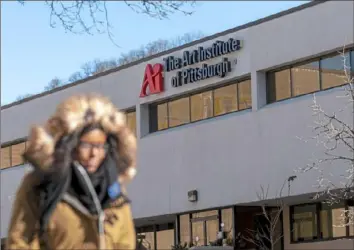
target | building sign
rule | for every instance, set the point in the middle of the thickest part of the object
(153, 80)
(153, 76)
(190, 75)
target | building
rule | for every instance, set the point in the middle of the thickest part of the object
(218, 116)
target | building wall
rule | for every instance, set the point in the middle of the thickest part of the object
(228, 157)
(10, 181)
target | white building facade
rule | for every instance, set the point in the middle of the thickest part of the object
(219, 117)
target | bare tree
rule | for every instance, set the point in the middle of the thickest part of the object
(334, 133)
(92, 17)
(76, 76)
(267, 236)
(54, 83)
(21, 97)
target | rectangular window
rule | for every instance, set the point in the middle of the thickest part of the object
(334, 218)
(305, 78)
(304, 222)
(332, 71)
(131, 121)
(244, 95)
(310, 77)
(201, 106)
(178, 112)
(227, 219)
(5, 157)
(162, 116)
(225, 99)
(278, 85)
(330, 220)
(165, 239)
(205, 214)
(184, 230)
(148, 240)
(16, 153)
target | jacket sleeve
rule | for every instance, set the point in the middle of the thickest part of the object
(22, 227)
(127, 239)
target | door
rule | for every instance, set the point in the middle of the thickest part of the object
(261, 226)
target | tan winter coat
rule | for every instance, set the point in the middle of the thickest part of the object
(70, 226)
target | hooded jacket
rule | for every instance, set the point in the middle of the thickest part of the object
(71, 225)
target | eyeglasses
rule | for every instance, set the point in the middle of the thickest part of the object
(90, 146)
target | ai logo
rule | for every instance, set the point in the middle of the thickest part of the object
(153, 80)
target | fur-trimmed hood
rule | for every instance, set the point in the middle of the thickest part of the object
(74, 114)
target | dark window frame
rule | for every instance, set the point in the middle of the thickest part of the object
(318, 236)
(9, 145)
(350, 51)
(153, 106)
(206, 218)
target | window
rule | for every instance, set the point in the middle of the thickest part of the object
(321, 74)
(304, 223)
(225, 99)
(131, 121)
(332, 221)
(16, 153)
(162, 115)
(11, 156)
(318, 221)
(5, 157)
(165, 237)
(227, 219)
(278, 86)
(332, 71)
(178, 112)
(244, 95)
(305, 78)
(205, 227)
(201, 106)
(184, 231)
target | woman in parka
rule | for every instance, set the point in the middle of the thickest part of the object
(75, 197)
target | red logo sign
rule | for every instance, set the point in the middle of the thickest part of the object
(153, 80)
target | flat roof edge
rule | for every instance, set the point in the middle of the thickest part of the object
(204, 39)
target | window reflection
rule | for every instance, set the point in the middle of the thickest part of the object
(304, 223)
(244, 95)
(225, 99)
(227, 219)
(178, 112)
(332, 71)
(305, 78)
(332, 221)
(5, 157)
(198, 233)
(212, 230)
(278, 85)
(147, 240)
(184, 228)
(201, 106)
(164, 239)
(131, 121)
(16, 153)
(205, 214)
(162, 116)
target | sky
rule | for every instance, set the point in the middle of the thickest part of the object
(33, 53)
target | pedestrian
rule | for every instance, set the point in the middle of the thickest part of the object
(75, 197)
